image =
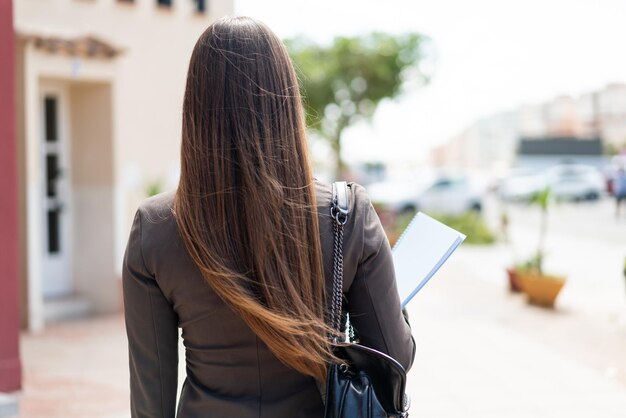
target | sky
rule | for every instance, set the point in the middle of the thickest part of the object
(491, 56)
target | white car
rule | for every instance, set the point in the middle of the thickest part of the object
(450, 196)
(397, 196)
(521, 185)
(575, 182)
(566, 181)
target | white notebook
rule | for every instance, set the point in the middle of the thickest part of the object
(421, 250)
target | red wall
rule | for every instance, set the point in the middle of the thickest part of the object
(10, 367)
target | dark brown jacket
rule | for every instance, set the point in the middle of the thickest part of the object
(230, 372)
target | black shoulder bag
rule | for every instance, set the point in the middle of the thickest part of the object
(367, 383)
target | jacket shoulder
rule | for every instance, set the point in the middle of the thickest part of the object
(159, 229)
(158, 208)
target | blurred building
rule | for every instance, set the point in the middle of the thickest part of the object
(492, 143)
(489, 144)
(99, 97)
(542, 153)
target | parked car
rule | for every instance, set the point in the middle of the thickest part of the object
(576, 182)
(567, 181)
(447, 195)
(395, 196)
(450, 196)
(520, 185)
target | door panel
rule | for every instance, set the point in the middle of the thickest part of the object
(56, 261)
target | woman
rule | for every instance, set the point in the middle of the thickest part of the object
(240, 255)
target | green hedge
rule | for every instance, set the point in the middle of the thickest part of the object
(471, 224)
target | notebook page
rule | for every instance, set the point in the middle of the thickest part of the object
(421, 250)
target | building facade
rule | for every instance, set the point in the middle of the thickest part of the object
(491, 144)
(99, 101)
(538, 154)
(487, 145)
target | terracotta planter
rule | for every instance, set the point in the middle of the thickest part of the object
(515, 285)
(541, 290)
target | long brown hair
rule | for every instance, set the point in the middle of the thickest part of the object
(245, 205)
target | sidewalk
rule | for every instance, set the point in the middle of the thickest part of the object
(481, 353)
(484, 353)
(76, 370)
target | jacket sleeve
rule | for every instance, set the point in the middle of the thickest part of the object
(372, 299)
(152, 330)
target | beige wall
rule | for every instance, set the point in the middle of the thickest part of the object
(39, 69)
(93, 255)
(125, 110)
(149, 81)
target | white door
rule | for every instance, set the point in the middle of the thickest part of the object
(56, 263)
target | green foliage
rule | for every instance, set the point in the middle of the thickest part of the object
(344, 82)
(471, 224)
(612, 149)
(532, 264)
(541, 199)
(154, 188)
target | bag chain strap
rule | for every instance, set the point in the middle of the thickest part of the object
(336, 300)
(337, 295)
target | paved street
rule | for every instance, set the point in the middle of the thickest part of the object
(482, 352)
(584, 242)
(485, 353)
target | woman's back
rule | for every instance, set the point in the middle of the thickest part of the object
(239, 256)
(230, 372)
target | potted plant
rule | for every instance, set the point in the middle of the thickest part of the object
(542, 289)
(515, 285)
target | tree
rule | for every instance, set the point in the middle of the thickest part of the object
(344, 82)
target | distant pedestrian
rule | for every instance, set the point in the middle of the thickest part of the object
(619, 189)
